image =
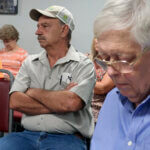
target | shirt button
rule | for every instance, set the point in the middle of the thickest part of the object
(129, 143)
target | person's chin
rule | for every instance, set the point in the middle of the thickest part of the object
(41, 41)
(125, 90)
(129, 93)
(42, 45)
(125, 93)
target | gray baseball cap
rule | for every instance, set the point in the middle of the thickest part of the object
(55, 12)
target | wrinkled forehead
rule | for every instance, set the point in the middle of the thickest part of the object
(118, 42)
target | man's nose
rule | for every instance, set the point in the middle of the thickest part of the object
(38, 31)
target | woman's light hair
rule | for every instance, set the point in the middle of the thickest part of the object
(9, 32)
(126, 14)
(94, 52)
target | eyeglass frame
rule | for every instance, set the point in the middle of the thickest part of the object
(110, 63)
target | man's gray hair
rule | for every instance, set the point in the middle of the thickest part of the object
(126, 14)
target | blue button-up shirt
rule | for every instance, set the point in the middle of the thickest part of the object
(122, 127)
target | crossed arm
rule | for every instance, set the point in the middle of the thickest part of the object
(38, 101)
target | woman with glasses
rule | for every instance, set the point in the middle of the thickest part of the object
(103, 84)
(123, 32)
(12, 55)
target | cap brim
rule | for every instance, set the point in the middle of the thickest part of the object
(36, 13)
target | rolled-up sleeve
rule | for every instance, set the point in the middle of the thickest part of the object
(22, 80)
(86, 79)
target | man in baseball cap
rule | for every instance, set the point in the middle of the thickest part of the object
(53, 89)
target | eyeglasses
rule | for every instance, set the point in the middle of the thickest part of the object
(121, 66)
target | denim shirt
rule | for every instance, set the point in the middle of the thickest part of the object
(122, 127)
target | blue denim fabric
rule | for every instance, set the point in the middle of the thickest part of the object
(28, 140)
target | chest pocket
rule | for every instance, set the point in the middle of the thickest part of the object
(65, 79)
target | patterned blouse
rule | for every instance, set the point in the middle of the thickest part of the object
(98, 99)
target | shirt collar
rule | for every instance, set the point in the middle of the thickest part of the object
(42, 55)
(128, 104)
(72, 54)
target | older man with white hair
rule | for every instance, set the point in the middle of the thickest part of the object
(123, 32)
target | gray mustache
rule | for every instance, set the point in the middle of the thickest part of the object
(40, 38)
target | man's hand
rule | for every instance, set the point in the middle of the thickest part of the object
(31, 91)
(69, 86)
(57, 101)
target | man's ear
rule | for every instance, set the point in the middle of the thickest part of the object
(65, 30)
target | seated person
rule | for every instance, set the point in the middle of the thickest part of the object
(53, 89)
(123, 32)
(11, 55)
(103, 83)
